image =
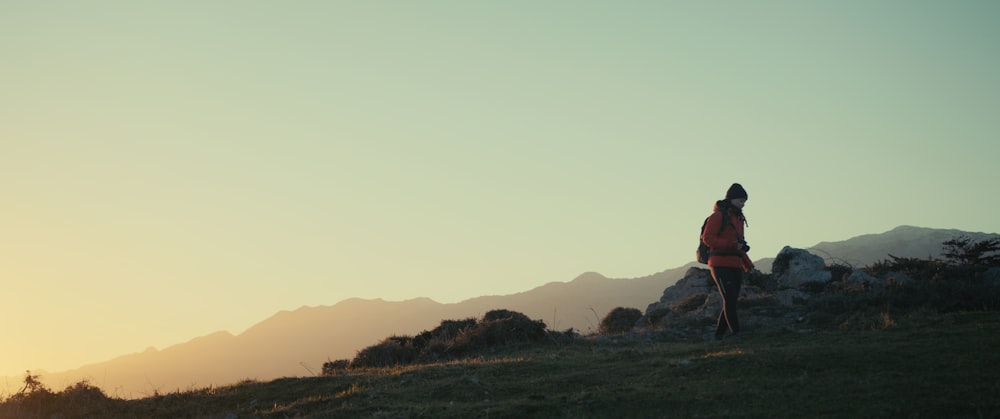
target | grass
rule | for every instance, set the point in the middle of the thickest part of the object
(920, 366)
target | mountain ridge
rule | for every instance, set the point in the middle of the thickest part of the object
(297, 342)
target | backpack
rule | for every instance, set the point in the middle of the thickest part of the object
(702, 254)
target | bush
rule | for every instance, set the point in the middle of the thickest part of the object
(619, 321)
(912, 267)
(839, 271)
(390, 352)
(441, 337)
(955, 284)
(35, 400)
(335, 367)
(34, 396)
(502, 314)
(451, 339)
(500, 327)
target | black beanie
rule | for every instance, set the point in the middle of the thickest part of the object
(736, 191)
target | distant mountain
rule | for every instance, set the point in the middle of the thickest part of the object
(296, 343)
(902, 241)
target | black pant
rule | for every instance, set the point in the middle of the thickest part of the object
(729, 281)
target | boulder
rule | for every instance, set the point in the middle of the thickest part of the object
(794, 267)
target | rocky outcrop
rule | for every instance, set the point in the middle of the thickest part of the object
(693, 296)
(696, 282)
(793, 268)
(803, 291)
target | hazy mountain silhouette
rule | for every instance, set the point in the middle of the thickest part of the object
(902, 241)
(296, 343)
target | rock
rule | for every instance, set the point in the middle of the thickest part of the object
(695, 281)
(794, 267)
(861, 280)
(710, 308)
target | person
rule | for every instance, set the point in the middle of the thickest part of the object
(728, 258)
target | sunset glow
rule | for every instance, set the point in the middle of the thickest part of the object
(173, 169)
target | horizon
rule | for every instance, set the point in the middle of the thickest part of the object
(175, 170)
(46, 375)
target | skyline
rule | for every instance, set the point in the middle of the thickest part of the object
(172, 170)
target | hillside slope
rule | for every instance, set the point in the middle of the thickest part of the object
(928, 367)
(296, 343)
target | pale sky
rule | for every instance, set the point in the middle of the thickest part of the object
(170, 169)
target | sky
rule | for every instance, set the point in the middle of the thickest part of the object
(172, 169)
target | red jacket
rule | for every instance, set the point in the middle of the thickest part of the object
(724, 246)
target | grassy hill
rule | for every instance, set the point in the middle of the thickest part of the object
(912, 338)
(922, 365)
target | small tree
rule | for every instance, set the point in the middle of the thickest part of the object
(962, 250)
(32, 384)
(33, 397)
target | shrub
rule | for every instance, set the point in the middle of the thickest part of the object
(83, 400)
(445, 333)
(35, 400)
(390, 352)
(913, 267)
(334, 367)
(500, 327)
(83, 393)
(839, 271)
(451, 339)
(939, 286)
(619, 321)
